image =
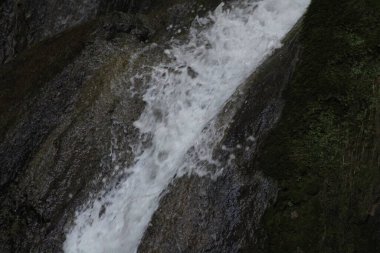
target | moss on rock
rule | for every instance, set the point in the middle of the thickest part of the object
(324, 152)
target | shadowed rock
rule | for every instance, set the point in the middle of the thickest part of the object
(223, 215)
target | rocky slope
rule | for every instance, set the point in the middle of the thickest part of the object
(223, 215)
(24, 23)
(324, 153)
(61, 103)
(311, 184)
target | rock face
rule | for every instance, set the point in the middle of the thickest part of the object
(324, 153)
(27, 22)
(306, 180)
(223, 215)
(55, 139)
(24, 23)
(62, 101)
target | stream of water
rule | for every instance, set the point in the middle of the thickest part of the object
(183, 96)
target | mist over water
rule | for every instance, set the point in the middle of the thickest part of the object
(183, 96)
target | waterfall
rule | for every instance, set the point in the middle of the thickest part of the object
(184, 94)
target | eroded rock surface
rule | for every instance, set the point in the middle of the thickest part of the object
(65, 104)
(24, 23)
(223, 215)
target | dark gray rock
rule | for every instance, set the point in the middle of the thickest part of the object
(62, 107)
(65, 104)
(23, 23)
(223, 215)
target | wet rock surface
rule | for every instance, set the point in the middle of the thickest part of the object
(66, 105)
(27, 22)
(223, 214)
(24, 23)
(56, 138)
(324, 152)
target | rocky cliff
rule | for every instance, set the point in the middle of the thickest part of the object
(307, 182)
(24, 23)
(62, 102)
(324, 153)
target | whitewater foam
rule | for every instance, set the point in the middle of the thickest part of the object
(183, 96)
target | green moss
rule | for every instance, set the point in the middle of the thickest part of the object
(324, 152)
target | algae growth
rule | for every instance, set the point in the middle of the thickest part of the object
(324, 152)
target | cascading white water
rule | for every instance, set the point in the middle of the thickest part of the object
(183, 97)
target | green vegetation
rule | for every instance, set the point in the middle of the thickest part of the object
(324, 152)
